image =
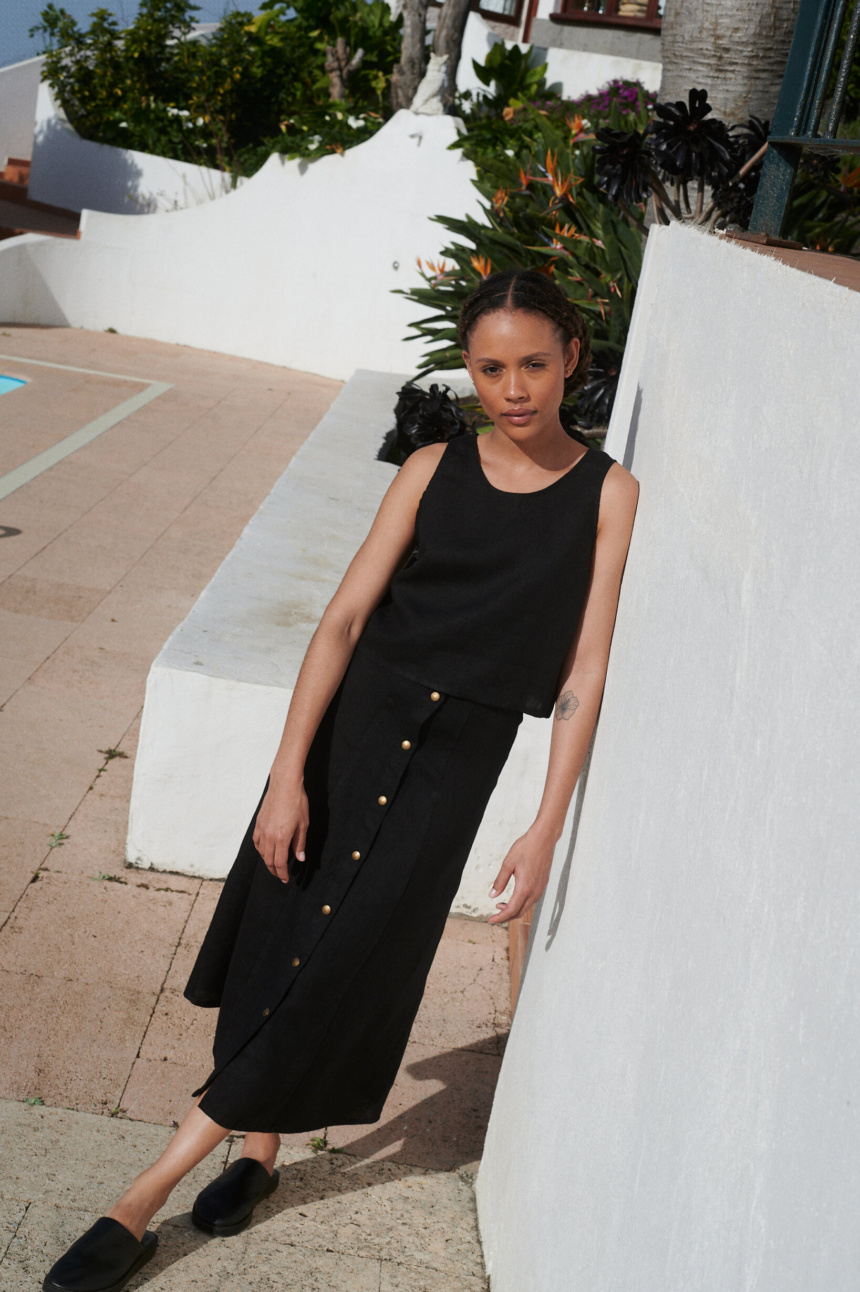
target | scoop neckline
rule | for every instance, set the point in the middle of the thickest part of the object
(527, 493)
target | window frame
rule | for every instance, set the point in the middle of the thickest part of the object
(572, 11)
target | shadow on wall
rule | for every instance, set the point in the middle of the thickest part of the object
(37, 302)
(630, 446)
(77, 173)
(55, 155)
(582, 784)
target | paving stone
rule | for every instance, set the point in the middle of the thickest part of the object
(72, 1044)
(13, 674)
(82, 1161)
(467, 1004)
(95, 930)
(27, 636)
(406, 1278)
(109, 678)
(193, 935)
(44, 1234)
(187, 1260)
(51, 599)
(180, 1032)
(49, 749)
(12, 1212)
(375, 1209)
(265, 1266)
(23, 847)
(159, 1091)
(436, 1115)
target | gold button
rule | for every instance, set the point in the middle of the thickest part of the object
(406, 744)
(434, 695)
(326, 910)
(265, 1013)
(356, 856)
(382, 800)
(296, 962)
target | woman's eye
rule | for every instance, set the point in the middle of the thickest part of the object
(536, 364)
(490, 370)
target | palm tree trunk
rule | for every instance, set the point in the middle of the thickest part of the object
(735, 49)
(413, 58)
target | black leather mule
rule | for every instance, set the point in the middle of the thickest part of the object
(226, 1205)
(103, 1259)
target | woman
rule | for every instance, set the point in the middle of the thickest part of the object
(486, 588)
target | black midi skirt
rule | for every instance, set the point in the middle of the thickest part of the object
(319, 980)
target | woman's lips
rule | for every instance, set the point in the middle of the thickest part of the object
(519, 415)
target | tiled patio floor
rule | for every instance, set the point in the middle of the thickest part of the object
(101, 556)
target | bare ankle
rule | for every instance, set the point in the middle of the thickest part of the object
(146, 1195)
(263, 1148)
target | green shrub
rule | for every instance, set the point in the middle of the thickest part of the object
(541, 209)
(564, 186)
(229, 99)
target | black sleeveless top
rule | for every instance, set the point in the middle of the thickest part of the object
(489, 603)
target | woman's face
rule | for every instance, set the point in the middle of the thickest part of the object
(519, 361)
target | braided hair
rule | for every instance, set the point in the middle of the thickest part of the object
(534, 292)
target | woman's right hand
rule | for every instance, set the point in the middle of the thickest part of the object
(282, 824)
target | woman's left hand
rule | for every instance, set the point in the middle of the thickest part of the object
(528, 862)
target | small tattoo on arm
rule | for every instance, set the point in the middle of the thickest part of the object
(566, 707)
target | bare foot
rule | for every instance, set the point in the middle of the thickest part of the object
(263, 1148)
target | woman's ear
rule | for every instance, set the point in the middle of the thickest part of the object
(466, 363)
(571, 356)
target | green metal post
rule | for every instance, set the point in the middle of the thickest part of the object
(803, 74)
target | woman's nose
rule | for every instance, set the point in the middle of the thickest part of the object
(514, 390)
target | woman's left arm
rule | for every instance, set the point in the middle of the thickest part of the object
(583, 676)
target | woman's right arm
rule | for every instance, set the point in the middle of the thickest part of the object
(282, 821)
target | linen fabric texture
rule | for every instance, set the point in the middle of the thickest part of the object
(318, 981)
(490, 600)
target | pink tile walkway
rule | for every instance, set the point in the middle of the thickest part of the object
(115, 544)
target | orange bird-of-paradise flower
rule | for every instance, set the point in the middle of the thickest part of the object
(439, 271)
(526, 178)
(575, 125)
(561, 184)
(500, 200)
(483, 264)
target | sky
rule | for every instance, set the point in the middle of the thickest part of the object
(18, 16)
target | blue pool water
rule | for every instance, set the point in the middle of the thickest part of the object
(10, 383)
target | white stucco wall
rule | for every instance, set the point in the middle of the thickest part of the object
(75, 173)
(19, 88)
(218, 693)
(571, 72)
(679, 1104)
(296, 267)
(574, 72)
